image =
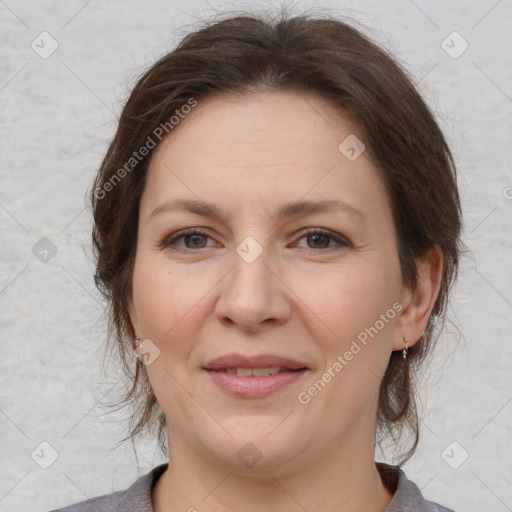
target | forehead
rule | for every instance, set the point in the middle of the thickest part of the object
(259, 124)
(261, 146)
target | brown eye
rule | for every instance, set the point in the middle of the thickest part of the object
(319, 241)
(192, 239)
(196, 240)
(324, 239)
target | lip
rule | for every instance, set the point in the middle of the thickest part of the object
(257, 361)
(254, 387)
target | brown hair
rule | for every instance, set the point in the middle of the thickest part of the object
(247, 53)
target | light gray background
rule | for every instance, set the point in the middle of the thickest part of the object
(57, 117)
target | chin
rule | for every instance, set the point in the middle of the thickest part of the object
(255, 448)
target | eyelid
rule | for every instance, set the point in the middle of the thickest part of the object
(337, 237)
(341, 240)
(173, 237)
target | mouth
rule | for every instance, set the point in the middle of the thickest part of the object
(240, 361)
(257, 372)
(254, 376)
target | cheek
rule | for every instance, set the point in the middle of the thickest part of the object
(337, 303)
(348, 299)
(357, 307)
(156, 306)
(168, 302)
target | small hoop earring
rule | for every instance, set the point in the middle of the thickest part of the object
(137, 343)
(406, 349)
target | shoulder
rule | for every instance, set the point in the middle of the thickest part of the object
(137, 498)
(407, 496)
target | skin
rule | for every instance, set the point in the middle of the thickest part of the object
(304, 297)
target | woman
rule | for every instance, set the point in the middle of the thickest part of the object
(277, 231)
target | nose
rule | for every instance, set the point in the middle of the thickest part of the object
(253, 297)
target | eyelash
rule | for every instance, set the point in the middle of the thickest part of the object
(169, 242)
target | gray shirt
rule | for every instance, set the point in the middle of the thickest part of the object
(137, 498)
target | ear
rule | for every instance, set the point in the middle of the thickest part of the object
(133, 316)
(418, 303)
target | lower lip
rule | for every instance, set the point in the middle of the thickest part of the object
(254, 387)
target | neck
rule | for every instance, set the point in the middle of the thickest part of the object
(344, 478)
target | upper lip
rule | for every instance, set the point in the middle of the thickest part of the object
(258, 361)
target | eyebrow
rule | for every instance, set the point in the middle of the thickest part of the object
(292, 209)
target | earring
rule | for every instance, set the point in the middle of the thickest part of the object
(404, 352)
(137, 343)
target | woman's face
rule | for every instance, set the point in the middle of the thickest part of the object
(299, 263)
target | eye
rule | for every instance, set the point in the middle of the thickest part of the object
(192, 238)
(318, 238)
